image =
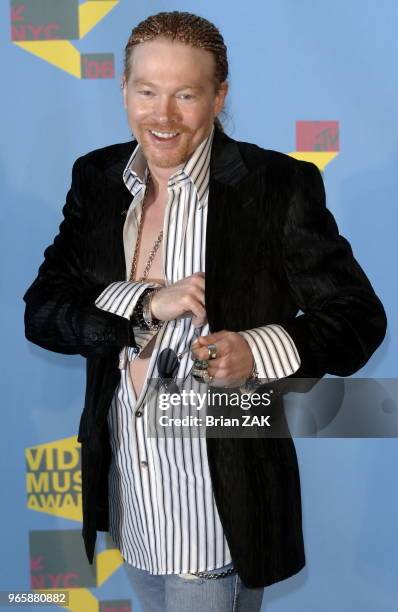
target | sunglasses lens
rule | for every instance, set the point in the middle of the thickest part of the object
(167, 363)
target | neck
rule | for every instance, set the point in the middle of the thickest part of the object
(160, 177)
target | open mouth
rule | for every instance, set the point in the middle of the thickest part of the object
(163, 136)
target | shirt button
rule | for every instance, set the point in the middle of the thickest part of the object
(138, 413)
(144, 463)
(136, 350)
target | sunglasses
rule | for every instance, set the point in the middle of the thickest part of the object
(168, 363)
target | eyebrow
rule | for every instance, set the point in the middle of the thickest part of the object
(149, 84)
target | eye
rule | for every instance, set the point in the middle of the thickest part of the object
(186, 96)
(146, 92)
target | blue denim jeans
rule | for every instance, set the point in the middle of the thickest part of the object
(182, 592)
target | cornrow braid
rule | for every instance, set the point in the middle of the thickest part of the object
(184, 28)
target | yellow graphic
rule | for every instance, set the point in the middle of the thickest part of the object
(82, 599)
(62, 53)
(108, 561)
(53, 478)
(92, 12)
(319, 158)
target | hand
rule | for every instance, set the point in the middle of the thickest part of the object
(185, 298)
(234, 362)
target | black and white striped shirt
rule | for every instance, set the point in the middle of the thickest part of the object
(163, 516)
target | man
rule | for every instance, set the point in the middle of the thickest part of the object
(186, 232)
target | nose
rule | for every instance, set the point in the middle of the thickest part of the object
(166, 110)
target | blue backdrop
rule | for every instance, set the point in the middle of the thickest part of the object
(291, 63)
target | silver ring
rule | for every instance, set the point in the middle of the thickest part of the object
(212, 348)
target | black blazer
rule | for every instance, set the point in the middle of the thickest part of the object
(272, 249)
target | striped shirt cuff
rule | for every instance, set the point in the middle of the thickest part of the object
(121, 297)
(274, 352)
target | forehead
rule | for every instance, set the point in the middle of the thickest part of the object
(171, 61)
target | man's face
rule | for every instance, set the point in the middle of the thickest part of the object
(171, 100)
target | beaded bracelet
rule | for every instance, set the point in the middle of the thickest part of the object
(152, 322)
(142, 314)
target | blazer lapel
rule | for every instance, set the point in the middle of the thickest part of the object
(117, 206)
(230, 234)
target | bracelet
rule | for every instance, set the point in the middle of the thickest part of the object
(142, 314)
(152, 322)
(252, 382)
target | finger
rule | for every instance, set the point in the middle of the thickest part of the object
(197, 309)
(198, 314)
(194, 296)
(201, 353)
(199, 295)
(201, 349)
(198, 280)
(215, 337)
(199, 322)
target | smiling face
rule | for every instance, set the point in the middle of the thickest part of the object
(171, 99)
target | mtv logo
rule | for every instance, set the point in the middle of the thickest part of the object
(317, 136)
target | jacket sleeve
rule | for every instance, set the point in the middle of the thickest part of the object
(343, 321)
(60, 313)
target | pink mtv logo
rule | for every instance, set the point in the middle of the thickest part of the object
(317, 136)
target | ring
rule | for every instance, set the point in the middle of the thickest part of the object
(212, 348)
(207, 377)
(200, 364)
(199, 371)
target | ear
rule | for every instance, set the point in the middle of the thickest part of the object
(220, 97)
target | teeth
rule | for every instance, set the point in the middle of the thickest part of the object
(164, 134)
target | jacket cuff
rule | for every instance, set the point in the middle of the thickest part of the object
(274, 352)
(121, 297)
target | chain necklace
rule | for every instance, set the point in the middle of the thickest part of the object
(137, 244)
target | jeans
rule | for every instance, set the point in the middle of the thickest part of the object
(187, 592)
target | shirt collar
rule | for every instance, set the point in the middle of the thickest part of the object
(196, 169)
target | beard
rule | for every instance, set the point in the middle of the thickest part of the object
(165, 157)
